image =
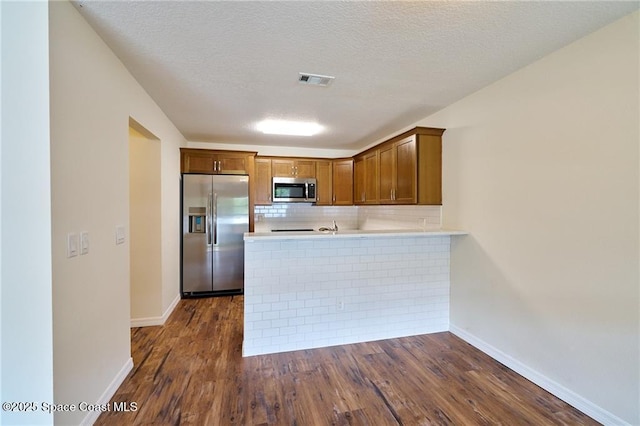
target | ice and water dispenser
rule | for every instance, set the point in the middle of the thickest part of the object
(197, 220)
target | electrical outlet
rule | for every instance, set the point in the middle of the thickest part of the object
(341, 305)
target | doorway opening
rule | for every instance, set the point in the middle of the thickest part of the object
(145, 246)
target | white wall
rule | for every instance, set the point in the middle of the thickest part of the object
(92, 99)
(26, 337)
(1, 101)
(542, 169)
(1, 138)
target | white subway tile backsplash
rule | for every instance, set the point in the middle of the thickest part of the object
(291, 216)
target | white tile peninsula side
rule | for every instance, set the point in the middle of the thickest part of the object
(309, 289)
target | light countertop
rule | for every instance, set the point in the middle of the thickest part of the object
(353, 233)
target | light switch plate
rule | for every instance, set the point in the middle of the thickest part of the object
(72, 245)
(120, 234)
(84, 243)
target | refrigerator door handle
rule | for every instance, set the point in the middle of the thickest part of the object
(208, 227)
(215, 219)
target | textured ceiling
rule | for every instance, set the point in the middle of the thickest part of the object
(217, 68)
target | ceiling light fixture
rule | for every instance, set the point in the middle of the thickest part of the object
(290, 128)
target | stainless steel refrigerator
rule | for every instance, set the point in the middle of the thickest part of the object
(215, 216)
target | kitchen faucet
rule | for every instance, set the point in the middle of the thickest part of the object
(334, 229)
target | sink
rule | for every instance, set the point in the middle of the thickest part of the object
(293, 230)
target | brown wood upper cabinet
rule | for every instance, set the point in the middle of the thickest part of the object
(365, 178)
(215, 162)
(342, 182)
(290, 167)
(263, 181)
(335, 182)
(410, 168)
(324, 183)
(406, 169)
(398, 172)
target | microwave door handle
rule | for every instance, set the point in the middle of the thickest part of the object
(306, 191)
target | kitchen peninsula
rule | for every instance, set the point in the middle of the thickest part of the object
(315, 289)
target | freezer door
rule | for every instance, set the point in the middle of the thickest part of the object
(230, 220)
(196, 231)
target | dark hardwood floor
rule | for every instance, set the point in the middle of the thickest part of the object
(191, 371)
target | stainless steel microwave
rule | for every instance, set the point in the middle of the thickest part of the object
(294, 190)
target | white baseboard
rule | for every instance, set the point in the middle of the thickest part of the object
(150, 321)
(106, 396)
(589, 408)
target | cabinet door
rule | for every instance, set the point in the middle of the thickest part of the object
(406, 172)
(324, 189)
(430, 169)
(232, 164)
(282, 167)
(343, 182)
(305, 168)
(263, 181)
(359, 183)
(387, 173)
(371, 178)
(200, 162)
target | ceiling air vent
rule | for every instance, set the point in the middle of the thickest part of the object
(315, 79)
